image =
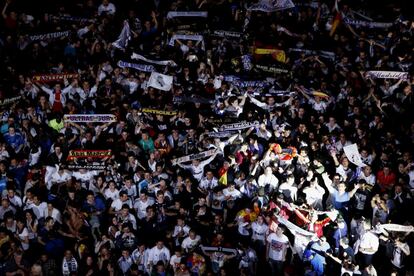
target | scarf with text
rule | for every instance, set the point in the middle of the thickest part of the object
(173, 14)
(271, 5)
(136, 66)
(386, 75)
(94, 118)
(239, 126)
(195, 156)
(54, 77)
(43, 37)
(82, 154)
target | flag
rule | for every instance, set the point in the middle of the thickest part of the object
(124, 37)
(160, 81)
(277, 54)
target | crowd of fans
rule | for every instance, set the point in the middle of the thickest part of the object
(278, 197)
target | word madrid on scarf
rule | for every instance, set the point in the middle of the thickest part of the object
(157, 62)
(185, 99)
(271, 69)
(49, 36)
(94, 118)
(227, 34)
(173, 14)
(54, 77)
(271, 5)
(187, 37)
(86, 167)
(386, 75)
(10, 100)
(367, 24)
(70, 18)
(89, 154)
(158, 112)
(195, 156)
(136, 66)
(238, 126)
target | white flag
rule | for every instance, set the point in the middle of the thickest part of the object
(124, 37)
(353, 155)
(160, 81)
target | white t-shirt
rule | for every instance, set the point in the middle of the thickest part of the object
(278, 246)
(259, 231)
(369, 240)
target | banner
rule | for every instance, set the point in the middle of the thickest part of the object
(70, 18)
(136, 66)
(187, 37)
(173, 14)
(353, 155)
(88, 154)
(160, 81)
(158, 112)
(185, 99)
(277, 54)
(157, 62)
(227, 34)
(386, 75)
(395, 227)
(54, 77)
(86, 166)
(367, 24)
(325, 54)
(124, 37)
(271, 5)
(238, 126)
(49, 36)
(271, 69)
(94, 118)
(195, 156)
(10, 100)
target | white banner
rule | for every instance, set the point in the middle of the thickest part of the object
(395, 227)
(353, 155)
(157, 62)
(294, 228)
(173, 14)
(272, 5)
(94, 118)
(160, 81)
(386, 75)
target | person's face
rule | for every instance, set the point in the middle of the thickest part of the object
(90, 198)
(10, 193)
(124, 197)
(260, 220)
(68, 254)
(367, 170)
(160, 245)
(341, 187)
(11, 131)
